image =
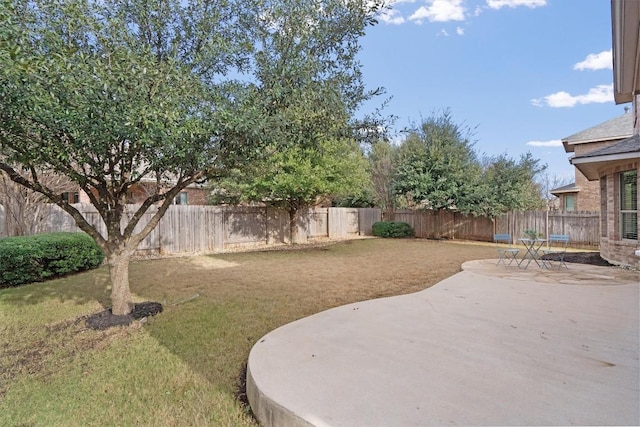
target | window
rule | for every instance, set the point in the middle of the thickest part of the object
(71, 197)
(569, 203)
(181, 198)
(629, 205)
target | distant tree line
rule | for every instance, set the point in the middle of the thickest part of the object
(436, 167)
(433, 167)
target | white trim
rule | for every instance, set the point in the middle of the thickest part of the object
(605, 158)
(602, 139)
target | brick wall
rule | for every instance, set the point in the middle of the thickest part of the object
(588, 199)
(196, 196)
(612, 248)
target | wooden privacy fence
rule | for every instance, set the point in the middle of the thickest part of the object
(446, 224)
(583, 227)
(193, 229)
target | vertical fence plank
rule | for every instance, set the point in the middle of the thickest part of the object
(318, 222)
(337, 223)
(366, 218)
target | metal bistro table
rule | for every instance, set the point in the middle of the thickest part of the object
(532, 254)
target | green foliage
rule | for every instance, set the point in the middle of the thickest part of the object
(392, 229)
(308, 78)
(436, 167)
(308, 87)
(295, 176)
(361, 199)
(532, 234)
(508, 185)
(45, 256)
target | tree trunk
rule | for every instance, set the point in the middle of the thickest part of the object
(121, 302)
(293, 225)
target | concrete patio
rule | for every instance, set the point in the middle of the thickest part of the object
(491, 345)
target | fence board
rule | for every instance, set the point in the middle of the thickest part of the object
(366, 218)
(318, 222)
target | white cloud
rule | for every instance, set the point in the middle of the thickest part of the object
(442, 32)
(599, 94)
(460, 31)
(497, 4)
(596, 61)
(439, 11)
(391, 16)
(552, 143)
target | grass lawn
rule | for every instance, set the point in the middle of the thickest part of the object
(183, 367)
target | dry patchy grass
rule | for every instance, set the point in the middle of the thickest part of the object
(183, 367)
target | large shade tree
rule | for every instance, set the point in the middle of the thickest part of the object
(436, 166)
(308, 86)
(298, 177)
(508, 184)
(111, 93)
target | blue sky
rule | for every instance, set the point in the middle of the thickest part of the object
(527, 73)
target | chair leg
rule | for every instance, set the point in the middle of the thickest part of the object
(562, 262)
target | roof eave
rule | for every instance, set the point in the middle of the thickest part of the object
(570, 191)
(591, 166)
(625, 25)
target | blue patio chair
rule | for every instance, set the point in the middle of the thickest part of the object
(557, 249)
(505, 253)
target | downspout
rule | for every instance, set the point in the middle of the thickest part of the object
(634, 89)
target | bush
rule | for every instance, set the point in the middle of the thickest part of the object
(46, 256)
(392, 229)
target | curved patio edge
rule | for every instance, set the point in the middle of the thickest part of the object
(267, 411)
(475, 349)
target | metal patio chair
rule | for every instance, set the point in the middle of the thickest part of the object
(557, 248)
(508, 253)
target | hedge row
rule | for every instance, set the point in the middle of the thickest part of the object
(45, 256)
(392, 229)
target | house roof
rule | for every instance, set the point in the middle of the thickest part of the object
(615, 129)
(570, 188)
(619, 152)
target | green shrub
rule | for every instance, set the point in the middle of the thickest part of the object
(392, 229)
(45, 256)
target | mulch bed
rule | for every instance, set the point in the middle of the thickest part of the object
(591, 258)
(106, 319)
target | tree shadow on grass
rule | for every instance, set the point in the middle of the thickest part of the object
(81, 288)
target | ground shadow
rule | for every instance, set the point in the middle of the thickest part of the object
(81, 288)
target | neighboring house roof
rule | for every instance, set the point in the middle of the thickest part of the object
(570, 188)
(619, 152)
(618, 128)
